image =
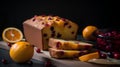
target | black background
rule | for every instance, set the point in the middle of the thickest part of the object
(101, 13)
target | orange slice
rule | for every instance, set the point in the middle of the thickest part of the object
(89, 56)
(12, 35)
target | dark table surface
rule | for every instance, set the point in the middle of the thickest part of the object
(4, 54)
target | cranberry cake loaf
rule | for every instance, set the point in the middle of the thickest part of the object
(56, 53)
(39, 29)
(69, 44)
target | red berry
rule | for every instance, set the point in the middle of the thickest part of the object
(117, 55)
(72, 32)
(58, 44)
(109, 34)
(104, 56)
(38, 50)
(108, 48)
(47, 25)
(117, 42)
(4, 61)
(114, 32)
(9, 44)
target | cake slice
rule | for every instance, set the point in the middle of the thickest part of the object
(56, 53)
(69, 44)
(39, 29)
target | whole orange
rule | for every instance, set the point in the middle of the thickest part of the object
(88, 32)
(21, 52)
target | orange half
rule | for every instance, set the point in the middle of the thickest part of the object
(12, 35)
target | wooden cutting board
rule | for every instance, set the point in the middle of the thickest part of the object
(44, 56)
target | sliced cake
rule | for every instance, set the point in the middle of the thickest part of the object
(39, 29)
(69, 44)
(56, 53)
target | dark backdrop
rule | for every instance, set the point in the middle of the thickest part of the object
(101, 13)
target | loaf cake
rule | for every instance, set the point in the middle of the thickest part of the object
(39, 29)
(69, 44)
(56, 53)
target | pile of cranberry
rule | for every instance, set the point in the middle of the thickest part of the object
(109, 42)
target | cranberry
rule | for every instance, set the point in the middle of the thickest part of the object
(53, 35)
(65, 24)
(57, 19)
(108, 48)
(109, 34)
(59, 35)
(72, 32)
(117, 42)
(58, 44)
(47, 39)
(118, 35)
(47, 24)
(53, 32)
(43, 23)
(4, 61)
(50, 18)
(99, 39)
(45, 35)
(52, 28)
(9, 44)
(102, 42)
(63, 19)
(117, 55)
(69, 26)
(114, 33)
(34, 19)
(38, 50)
(102, 55)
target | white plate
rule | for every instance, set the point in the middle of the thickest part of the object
(104, 61)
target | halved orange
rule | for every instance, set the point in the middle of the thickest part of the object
(12, 34)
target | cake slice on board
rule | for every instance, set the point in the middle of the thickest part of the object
(69, 44)
(56, 53)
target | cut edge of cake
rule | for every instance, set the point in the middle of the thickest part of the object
(69, 44)
(66, 54)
